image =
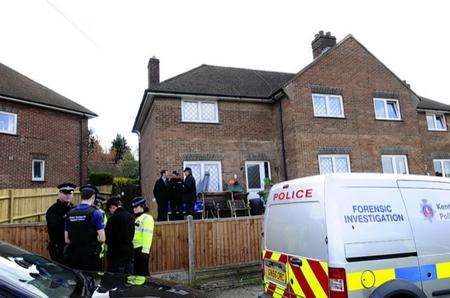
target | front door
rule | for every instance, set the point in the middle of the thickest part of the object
(255, 173)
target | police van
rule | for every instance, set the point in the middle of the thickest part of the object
(358, 235)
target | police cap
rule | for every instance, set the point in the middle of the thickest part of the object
(88, 190)
(138, 201)
(99, 201)
(66, 187)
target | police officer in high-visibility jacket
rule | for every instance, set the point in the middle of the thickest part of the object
(143, 235)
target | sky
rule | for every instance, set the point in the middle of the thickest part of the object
(96, 52)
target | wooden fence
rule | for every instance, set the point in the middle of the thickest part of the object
(216, 242)
(30, 205)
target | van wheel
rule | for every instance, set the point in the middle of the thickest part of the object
(398, 289)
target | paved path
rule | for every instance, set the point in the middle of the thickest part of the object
(244, 292)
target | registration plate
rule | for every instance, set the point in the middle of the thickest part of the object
(276, 275)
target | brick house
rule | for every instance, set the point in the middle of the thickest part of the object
(43, 135)
(345, 111)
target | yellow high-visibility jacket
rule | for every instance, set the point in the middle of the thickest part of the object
(143, 232)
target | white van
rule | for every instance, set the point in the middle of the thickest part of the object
(358, 235)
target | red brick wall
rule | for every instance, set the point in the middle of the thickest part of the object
(48, 134)
(436, 144)
(357, 74)
(245, 132)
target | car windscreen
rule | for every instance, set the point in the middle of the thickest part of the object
(37, 275)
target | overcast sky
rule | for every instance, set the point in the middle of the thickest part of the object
(96, 52)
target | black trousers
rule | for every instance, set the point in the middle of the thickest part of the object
(140, 262)
(56, 251)
(83, 258)
(163, 207)
(116, 265)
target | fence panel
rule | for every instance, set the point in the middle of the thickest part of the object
(217, 242)
(30, 205)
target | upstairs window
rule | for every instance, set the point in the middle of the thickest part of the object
(326, 105)
(199, 111)
(334, 164)
(8, 123)
(38, 170)
(395, 164)
(436, 122)
(387, 109)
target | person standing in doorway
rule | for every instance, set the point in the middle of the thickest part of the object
(189, 195)
(56, 216)
(161, 193)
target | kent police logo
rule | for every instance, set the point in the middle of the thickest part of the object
(427, 210)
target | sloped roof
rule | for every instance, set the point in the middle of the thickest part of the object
(18, 86)
(429, 104)
(225, 81)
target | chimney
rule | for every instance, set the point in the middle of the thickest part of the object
(153, 71)
(322, 42)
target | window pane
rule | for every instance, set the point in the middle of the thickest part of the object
(387, 164)
(440, 122)
(379, 109)
(253, 176)
(37, 169)
(7, 123)
(437, 168)
(446, 168)
(392, 110)
(208, 111)
(214, 177)
(334, 104)
(341, 165)
(430, 122)
(400, 163)
(190, 111)
(320, 108)
(325, 165)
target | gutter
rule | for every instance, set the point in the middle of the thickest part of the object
(433, 111)
(32, 103)
(283, 148)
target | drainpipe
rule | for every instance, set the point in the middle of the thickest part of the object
(81, 151)
(283, 148)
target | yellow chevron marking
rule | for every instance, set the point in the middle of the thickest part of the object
(275, 256)
(325, 267)
(312, 280)
(443, 270)
(381, 276)
(295, 286)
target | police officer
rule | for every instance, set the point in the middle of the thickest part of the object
(143, 236)
(84, 232)
(55, 217)
(98, 203)
(119, 238)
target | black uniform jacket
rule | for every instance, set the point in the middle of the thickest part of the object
(161, 191)
(56, 216)
(189, 190)
(119, 235)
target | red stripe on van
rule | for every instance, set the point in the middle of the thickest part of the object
(283, 258)
(271, 289)
(268, 254)
(288, 292)
(321, 275)
(302, 282)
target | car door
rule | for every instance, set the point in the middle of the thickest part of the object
(428, 207)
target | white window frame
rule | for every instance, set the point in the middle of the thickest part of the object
(441, 161)
(261, 173)
(15, 123)
(333, 160)
(435, 121)
(327, 105)
(202, 169)
(42, 178)
(385, 100)
(394, 165)
(199, 109)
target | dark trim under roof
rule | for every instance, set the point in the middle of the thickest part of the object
(16, 87)
(429, 104)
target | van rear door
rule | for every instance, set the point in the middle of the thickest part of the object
(428, 207)
(295, 236)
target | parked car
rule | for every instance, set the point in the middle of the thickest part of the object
(358, 235)
(24, 274)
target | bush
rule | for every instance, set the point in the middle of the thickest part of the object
(99, 179)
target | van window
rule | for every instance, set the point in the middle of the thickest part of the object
(296, 229)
